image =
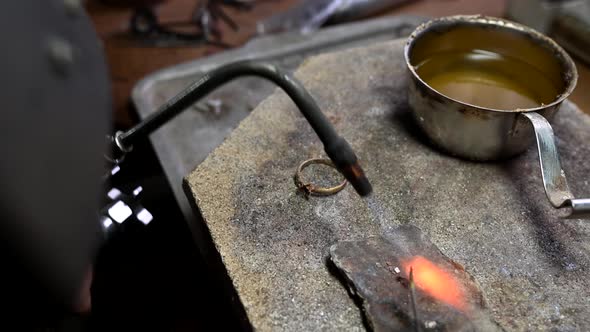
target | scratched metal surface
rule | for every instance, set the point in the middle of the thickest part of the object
(492, 218)
(376, 270)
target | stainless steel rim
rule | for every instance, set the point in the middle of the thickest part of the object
(502, 23)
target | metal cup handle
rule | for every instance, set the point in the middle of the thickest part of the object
(554, 180)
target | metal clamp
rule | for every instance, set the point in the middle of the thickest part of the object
(116, 149)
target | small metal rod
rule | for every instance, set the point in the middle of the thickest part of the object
(335, 146)
(413, 301)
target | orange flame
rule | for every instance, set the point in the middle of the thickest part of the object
(436, 282)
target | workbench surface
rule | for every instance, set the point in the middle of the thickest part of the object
(493, 218)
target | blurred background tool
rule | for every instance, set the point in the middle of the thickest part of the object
(201, 27)
(310, 15)
(566, 21)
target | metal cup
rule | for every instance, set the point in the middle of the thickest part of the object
(482, 133)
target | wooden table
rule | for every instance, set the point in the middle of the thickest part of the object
(130, 62)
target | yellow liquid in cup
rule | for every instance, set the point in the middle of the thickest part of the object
(487, 79)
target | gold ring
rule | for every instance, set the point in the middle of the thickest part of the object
(310, 189)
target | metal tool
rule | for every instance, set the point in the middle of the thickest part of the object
(335, 146)
(175, 142)
(312, 14)
(554, 180)
(482, 133)
(145, 25)
(357, 9)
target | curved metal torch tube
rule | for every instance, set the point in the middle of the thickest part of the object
(336, 147)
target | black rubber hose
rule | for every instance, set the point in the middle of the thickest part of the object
(336, 147)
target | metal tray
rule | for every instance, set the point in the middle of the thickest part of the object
(183, 143)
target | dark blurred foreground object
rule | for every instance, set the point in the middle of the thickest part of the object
(566, 21)
(57, 105)
(310, 15)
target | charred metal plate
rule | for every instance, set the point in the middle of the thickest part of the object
(377, 271)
